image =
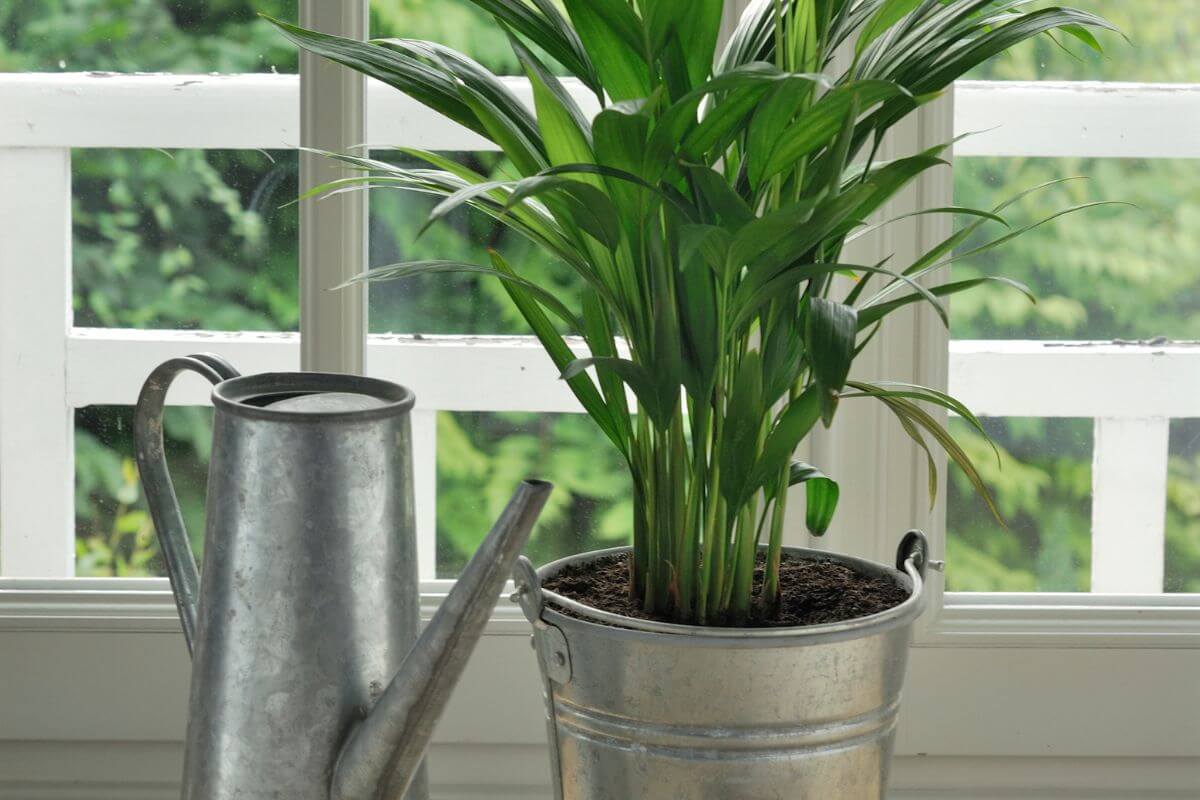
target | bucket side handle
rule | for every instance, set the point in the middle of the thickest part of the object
(156, 479)
(548, 640)
(915, 547)
(553, 655)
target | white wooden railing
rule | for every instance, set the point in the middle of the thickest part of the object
(49, 368)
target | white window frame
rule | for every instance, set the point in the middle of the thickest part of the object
(1131, 390)
(333, 233)
(1031, 652)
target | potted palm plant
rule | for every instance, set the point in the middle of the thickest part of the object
(706, 208)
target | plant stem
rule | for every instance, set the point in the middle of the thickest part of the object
(710, 575)
(680, 513)
(770, 593)
(743, 581)
(689, 568)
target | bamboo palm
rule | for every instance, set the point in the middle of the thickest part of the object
(705, 210)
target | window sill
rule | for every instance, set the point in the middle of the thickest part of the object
(966, 620)
(1064, 620)
(146, 605)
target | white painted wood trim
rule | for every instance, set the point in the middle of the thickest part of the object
(882, 473)
(480, 373)
(180, 111)
(149, 771)
(93, 109)
(145, 605)
(1076, 379)
(1115, 120)
(424, 451)
(958, 702)
(333, 232)
(37, 469)
(1129, 498)
(512, 373)
(1099, 120)
(1004, 620)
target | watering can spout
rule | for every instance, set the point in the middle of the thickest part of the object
(382, 754)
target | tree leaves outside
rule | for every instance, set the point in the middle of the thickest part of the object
(197, 240)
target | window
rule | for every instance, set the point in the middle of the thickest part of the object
(1090, 394)
(1037, 632)
(185, 230)
(129, 238)
(1099, 477)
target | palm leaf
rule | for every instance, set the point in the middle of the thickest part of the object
(705, 210)
(612, 35)
(544, 26)
(873, 313)
(419, 81)
(581, 385)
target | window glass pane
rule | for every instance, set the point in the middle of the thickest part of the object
(1164, 47)
(1183, 508)
(481, 457)
(185, 239)
(1042, 486)
(114, 536)
(459, 24)
(1116, 272)
(144, 36)
(450, 303)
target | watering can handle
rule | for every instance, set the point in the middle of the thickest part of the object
(156, 480)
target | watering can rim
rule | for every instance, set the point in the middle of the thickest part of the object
(233, 395)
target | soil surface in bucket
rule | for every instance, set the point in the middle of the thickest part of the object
(813, 591)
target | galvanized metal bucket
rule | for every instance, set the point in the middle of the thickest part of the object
(640, 710)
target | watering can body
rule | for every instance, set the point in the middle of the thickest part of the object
(309, 600)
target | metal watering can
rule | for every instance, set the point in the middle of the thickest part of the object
(306, 682)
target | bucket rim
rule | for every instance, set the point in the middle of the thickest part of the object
(585, 617)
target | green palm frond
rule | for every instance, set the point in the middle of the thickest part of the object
(706, 208)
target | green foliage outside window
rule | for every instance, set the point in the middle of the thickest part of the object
(199, 240)
(1128, 274)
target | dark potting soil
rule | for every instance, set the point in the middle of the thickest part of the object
(812, 591)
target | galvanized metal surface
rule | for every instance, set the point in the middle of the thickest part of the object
(671, 712)
(309, 602)
(386, 749)
(156, 480)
